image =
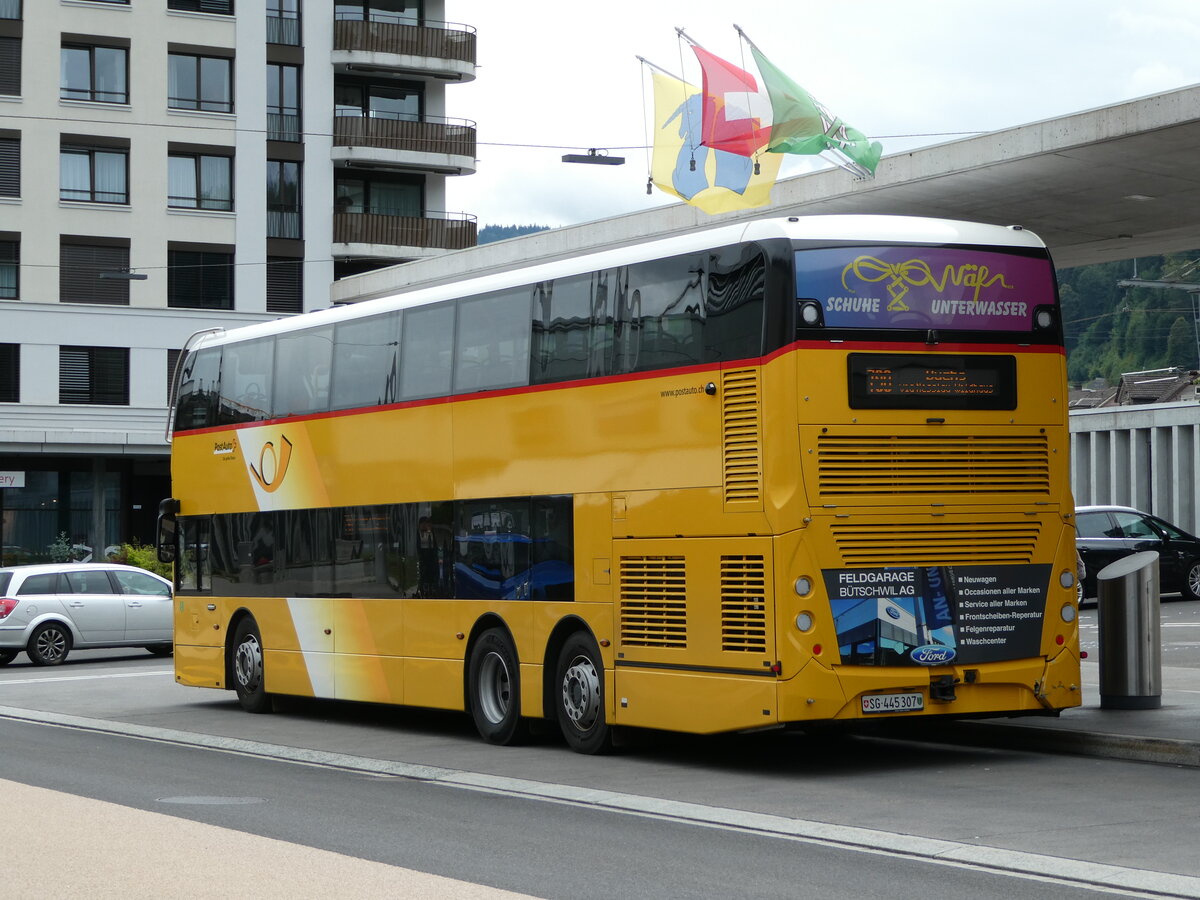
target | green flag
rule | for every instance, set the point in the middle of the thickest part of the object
(801, 125)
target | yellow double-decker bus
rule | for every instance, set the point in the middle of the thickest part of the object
(767, 474)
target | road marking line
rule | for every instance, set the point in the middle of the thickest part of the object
(995, 860)
(52, 678)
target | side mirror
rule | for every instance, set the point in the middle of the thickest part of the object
(167, 540)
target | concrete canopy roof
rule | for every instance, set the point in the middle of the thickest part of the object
(1103, 184)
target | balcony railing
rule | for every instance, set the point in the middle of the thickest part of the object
(435, 40)
(455, 137)
(434, 230)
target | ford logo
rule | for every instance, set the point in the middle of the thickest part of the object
(892, 611)
(932, 655)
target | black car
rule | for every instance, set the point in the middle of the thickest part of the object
(1104, 534)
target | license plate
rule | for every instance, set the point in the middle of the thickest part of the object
(888, 703)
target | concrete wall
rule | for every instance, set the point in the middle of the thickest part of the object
(1142, 456)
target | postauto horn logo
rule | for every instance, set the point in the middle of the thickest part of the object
(932, 655)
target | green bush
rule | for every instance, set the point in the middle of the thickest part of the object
(137, 554)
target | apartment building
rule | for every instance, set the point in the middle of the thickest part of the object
(171, 166)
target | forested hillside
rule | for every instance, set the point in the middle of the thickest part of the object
(1112, 329)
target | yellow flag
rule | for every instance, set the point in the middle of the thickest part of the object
(713, 180)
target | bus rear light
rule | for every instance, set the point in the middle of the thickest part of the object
(1059, 639)
(817, 649)
(1083, 654)
(803, 586)
(804, 622)
(1067, 612)
(1066, 578)
(7, 605)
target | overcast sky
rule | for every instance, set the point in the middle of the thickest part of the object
(562, 75)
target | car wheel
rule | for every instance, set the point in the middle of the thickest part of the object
(494, 688)
(1191, 580)
(579, 688)
(161, 649)
(248, 675)
(49, 644)
(7, 656)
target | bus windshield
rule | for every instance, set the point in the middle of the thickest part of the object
(952, 288)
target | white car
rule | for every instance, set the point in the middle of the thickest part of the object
(48, 610)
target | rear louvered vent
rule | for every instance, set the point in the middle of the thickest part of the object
(875, 465)
(742, 456)
(942, 543)
(743, 604)
(653, 601)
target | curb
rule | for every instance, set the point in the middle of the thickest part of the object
(1162, 751)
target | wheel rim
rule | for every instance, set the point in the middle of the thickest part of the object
(247, 663)
(51, 644)
(1194, 579)
(495, 688)
(581, 693)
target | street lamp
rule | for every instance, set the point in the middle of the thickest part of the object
(595, 157)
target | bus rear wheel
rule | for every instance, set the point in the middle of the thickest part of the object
(579, 688)
(494, 688)
(248, 679)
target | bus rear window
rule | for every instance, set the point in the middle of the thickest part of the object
(951, 288)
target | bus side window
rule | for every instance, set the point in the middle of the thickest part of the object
(561, 329)
(199, 389)
(664, 314)
(305, 356)
(734, 304)
(492, 347)
(428, 343)
(365, 362)
(246, 375)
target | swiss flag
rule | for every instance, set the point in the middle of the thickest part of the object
(736, 115)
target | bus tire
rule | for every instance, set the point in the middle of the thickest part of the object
(494, 688)
(579, 696)
(248, 673)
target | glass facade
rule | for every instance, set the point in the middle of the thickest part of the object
(77, 509)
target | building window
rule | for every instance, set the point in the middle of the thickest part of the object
(93, 375)
(10, 167)
(10, 66)
(396, 196)
(200, 82)
(10, 9)
(93, 175)
(377, 101)
(283, 102)
(10, 270)
(285, 285)
(94, 73)
(199, 181)
(283, 22)
(400, 12)
(217, 7)
(283, 199)
(10, 373)
(85, 270)
(199, 279)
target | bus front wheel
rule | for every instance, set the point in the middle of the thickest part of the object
(494, 686)
(579, 687)
(248, 668)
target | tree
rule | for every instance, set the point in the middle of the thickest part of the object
(1181, 348)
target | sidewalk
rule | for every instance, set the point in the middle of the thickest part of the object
(1168, 735)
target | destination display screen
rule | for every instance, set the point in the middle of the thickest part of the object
(916, 381)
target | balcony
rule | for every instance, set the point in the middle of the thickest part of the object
(446, 146)
(385, 236)
(391, 44)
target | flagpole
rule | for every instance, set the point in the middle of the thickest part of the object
(647, 62)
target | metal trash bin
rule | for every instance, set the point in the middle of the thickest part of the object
(1130, 633)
